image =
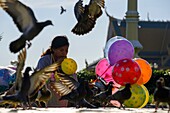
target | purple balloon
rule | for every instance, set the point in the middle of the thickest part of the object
(110, 42)
(119, 50)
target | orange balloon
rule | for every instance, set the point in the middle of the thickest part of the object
(146, 71)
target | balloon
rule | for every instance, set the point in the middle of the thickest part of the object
(126, 71)
(69, 66)
(110, 42)
(146, 71)
(120, 49)
(139, 97)
(104, 70)
(147, 96)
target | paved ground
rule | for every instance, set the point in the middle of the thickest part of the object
(82, 110)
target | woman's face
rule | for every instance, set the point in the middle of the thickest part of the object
(61, 52)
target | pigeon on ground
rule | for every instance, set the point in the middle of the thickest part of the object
(87, 15)
(161, 93)
(72, 90)
(121, 95)
(101, 98)
(25, 20)
(62, 10)
(44, 95)
(101, 84)
(90, 91)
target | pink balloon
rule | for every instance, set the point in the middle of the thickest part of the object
(104, 70)
(120, 49)
(126, 71)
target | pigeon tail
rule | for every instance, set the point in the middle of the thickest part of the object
(82, 28)
(17, 45)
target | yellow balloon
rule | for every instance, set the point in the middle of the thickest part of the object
(139, 98)
(147, 96)
(69, 66)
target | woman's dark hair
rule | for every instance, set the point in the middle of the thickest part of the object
(57, 42)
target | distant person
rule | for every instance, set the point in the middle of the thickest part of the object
(57, 52)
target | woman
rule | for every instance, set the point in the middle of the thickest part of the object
(56, 53)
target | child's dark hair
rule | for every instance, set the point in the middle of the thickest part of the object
(57, 42)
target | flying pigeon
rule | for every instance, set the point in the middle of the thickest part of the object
(72, 90)
(1, 36)
(20, 65)
(161, 93)
(62, 10)
(37, 79)
(13, 92)
(87, 15)
(25, 20)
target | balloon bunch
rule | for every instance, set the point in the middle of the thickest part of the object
(121, 67)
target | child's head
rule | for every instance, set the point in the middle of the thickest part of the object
(59, 41)
(59, 46)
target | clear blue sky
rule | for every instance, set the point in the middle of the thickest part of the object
(89, 46)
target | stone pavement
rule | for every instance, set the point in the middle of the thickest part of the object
(82, 110)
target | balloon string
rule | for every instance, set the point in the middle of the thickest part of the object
(106, 69)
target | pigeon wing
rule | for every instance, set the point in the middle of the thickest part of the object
(20, 66)
(39, 78)
(95, 6)
(62, 10)
(100, 3)
(60, 88)
(70, 82)
(78, 9)
(21, 14)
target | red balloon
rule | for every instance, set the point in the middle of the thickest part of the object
(126, 71)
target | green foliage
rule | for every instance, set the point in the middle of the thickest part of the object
(87, 74)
